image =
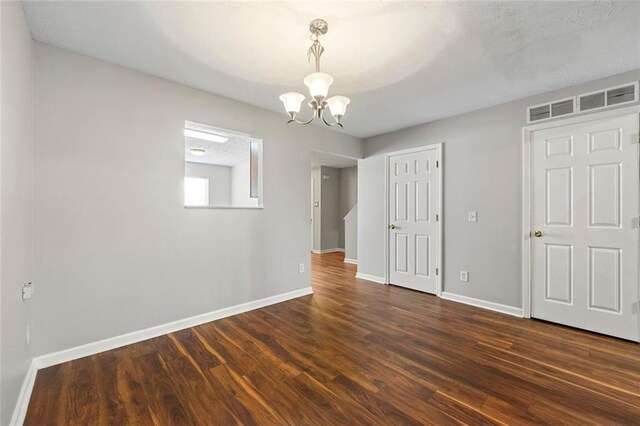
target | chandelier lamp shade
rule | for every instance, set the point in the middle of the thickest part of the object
(318, 84)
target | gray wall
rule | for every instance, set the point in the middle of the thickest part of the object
(482, 171)
(351, 236)
(331, 222)
(219, 181)
(115, 250)
(16, 207)
(317, 211)
(241, 185)
(347, 196)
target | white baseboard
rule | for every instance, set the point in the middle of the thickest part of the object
(352, 261)
(332, 250)
(497, 307)
(379, 280)
(55, 358)
(20, 411)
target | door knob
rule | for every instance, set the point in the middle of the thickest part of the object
(392, 226)
(537, 233)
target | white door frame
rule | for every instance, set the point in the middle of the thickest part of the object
(526, 189)
(439, 254)
(313, 214)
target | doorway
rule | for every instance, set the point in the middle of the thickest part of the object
(334, 190)
(414, 212)
(582, 248)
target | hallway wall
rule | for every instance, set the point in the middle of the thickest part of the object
(16, 202)
(347, 197)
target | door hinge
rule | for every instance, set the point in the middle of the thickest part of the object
(437, 164)
(436, 271)
(437, 218)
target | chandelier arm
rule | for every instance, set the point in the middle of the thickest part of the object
(293, 120)
(330, 124)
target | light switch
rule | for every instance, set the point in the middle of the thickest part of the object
(473, 216)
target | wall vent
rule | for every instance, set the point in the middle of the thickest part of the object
(605, 98)
(551, 110)
(618, 95)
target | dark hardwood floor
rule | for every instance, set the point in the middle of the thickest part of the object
(355, 352)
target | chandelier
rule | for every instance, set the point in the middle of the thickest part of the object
(318, 84)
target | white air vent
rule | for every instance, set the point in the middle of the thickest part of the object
(551, 110)
(618, 95)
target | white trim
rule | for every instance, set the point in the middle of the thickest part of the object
(525, 238)
(350, 211)
(439, 243)
(332, 250)
(386, 220)
(439, 255)
(66, 355)
(352, 261)
(372, 278)
(20, 410)
(526, 187)
(497, 307)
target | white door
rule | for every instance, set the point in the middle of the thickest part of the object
(414, 207)
(585, 186)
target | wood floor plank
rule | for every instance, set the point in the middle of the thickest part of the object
(82, 402)
(45, 399)
(204, 401)
(354, 352)
(167, 404)
(136, 402)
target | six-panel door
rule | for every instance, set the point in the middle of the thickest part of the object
(585, 185)
(413, 205)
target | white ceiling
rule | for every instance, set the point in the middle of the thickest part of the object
(320, 158)
(230, 153)
(402, 63)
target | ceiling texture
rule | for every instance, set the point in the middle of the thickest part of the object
(230, 153)
(320, 158)
(401, 63)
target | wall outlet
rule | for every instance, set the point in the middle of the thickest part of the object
(464, 276)
(473, 216)
(301, 268)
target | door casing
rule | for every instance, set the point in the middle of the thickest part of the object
(526, 190)
(439, 254)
